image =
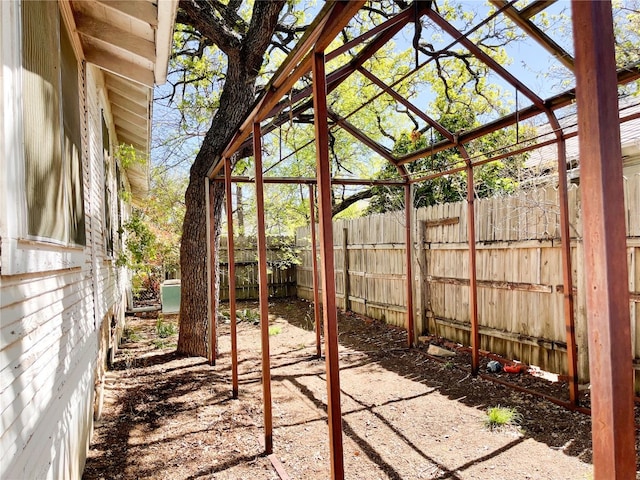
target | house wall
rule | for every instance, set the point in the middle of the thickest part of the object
(59, 304)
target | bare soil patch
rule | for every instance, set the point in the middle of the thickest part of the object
(405, 416)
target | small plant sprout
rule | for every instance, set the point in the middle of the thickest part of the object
(130, 335)
(165, 329)
(161, 343)
(274, 330)
(247, 315)
(501, 416)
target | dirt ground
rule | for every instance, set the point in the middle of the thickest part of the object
(405, 416)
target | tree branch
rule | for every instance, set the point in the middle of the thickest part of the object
(199, 14)
(263, 22)
(347, 202)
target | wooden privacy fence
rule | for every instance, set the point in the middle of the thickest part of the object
(281, 275)
(519, 272)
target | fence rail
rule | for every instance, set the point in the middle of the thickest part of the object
(519, 271)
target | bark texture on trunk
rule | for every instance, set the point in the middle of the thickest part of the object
(244, 61)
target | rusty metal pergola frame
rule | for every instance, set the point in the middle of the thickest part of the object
(604, 232)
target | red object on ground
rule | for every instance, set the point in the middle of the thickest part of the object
(518, 368)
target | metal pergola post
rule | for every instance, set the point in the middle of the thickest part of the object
(567, 275)
(314, 265)
(264, 292)
(473, 281)
(408, 206)
(330, 312)
(231, 269)
(607, 288)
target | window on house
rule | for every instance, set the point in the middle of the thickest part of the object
(108, 223)
(120, 188)
(53, 159)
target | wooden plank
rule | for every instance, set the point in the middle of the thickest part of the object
(124, 68)
(498, 245)
(379, 276)
(133, 140)
(607, 290)
(374, 246)
(277, 465)
(345, 267)
(127, 115)
(141, 10)
(442, 222)
(212, 345)
(633, 313)
(115, 37)
(136, 128)
(314, 272)
(264, 292)
(501, 285)
(231, 278)
(125, 103)
(327, 259)
(546, 343)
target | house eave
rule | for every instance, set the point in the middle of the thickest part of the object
(130, 43)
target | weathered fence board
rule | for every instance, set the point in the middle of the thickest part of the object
(519, 272)
(281, 276)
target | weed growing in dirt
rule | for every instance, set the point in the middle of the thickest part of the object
(129, 360)
(165, 329)
(161, 343)
(248, 315)
(130, 335)
(274, 330)
(500, 416)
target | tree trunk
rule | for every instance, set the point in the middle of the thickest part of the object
(192, 339)
(193, 264)
(245, 53)
(238, 94)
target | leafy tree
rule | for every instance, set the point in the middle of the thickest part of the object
(490, 179)
(164, 210)
(140, 244)
(152, 233)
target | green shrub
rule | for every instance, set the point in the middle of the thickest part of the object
(161, 343)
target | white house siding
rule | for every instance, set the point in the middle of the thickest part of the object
(49, 347)
(110, 282)
(56, 303)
